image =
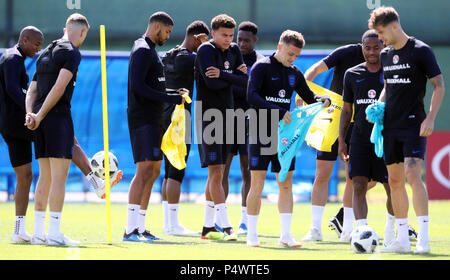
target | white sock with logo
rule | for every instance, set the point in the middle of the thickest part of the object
(39, 223)
(173, 215)
(243, 215)
(19, 227)
(132, 216)
(54, 223)
(422, 237)
(402, 231)
(209, 214)
(221, 213)
(141, 220)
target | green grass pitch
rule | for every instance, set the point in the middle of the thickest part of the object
(86, 222)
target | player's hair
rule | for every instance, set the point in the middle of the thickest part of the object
(248, 26)
(383, 16)
(161, 17)
(292, 37)
(197, 27)
(78, 19)
(371, 33)
(222, 20)
(30, 31)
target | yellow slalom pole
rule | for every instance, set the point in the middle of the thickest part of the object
(105, 134)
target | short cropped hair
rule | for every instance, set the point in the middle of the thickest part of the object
(371, 33)
(77, 18)
(248, 26)
(383, 16)
(161, 17)
(292, 37)
(197, 27)
(222, 20)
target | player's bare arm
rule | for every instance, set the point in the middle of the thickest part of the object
(427, 127)
(344, 123)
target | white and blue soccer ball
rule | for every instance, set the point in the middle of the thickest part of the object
(97, 163)
(364, 240)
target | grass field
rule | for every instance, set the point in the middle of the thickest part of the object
(86, 222)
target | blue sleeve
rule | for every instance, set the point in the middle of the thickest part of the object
(336, 56)
(12, 81)
(427, 62)
(303, 90)
(347, 95)
(206, 58)
(254, 89)
(141, 66)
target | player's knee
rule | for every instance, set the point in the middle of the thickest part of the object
(413, 175)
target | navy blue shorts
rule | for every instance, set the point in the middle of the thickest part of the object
(256, 161)
(402, 143)
(19, 146)
(364, 162)
(237, 147)
(146, 142)
(332, 156)
(55, 137)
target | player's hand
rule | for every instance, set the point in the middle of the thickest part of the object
(343, 151)
(201, 38)
(32, 121)
(212, 72)
(243, 68)
(325, 99)
(287, 118)
(427, 127)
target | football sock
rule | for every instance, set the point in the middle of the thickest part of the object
(361, 222)
(209, 214)
(285, 220)
(166, 214)
(221, 213)
(423, 229)
(243, 215)
(39, 223)
(54, 223)
(389, 228)
(173, 215)
(19, 227)
(316, 214)
(349, 218)
(402, 230)
(252, 233)
(132, 216)
(141, 220)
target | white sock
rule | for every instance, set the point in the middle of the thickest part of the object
(243, 215)
(54, 223)
(217, 220)
(209, 214)
(39, 223)
(141, 220)
(173, 215)
(132, 217)
(285, 220)
(389, 228)
(19, 227)
(252, 233)
(221, 213)
(402, 230)
(423, 229)
(165, 205)
(349, 219)
(316, 214)
(361, 222)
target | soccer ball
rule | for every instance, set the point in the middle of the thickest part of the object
(364, 239)
(98, 164)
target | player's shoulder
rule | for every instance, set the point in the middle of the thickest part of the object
(349, 48)
(357, 69)
(262, 63)
(12, 54)
(234, 47)
(419, 45)
(259, 55)
(206, 47)
(65, 48)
